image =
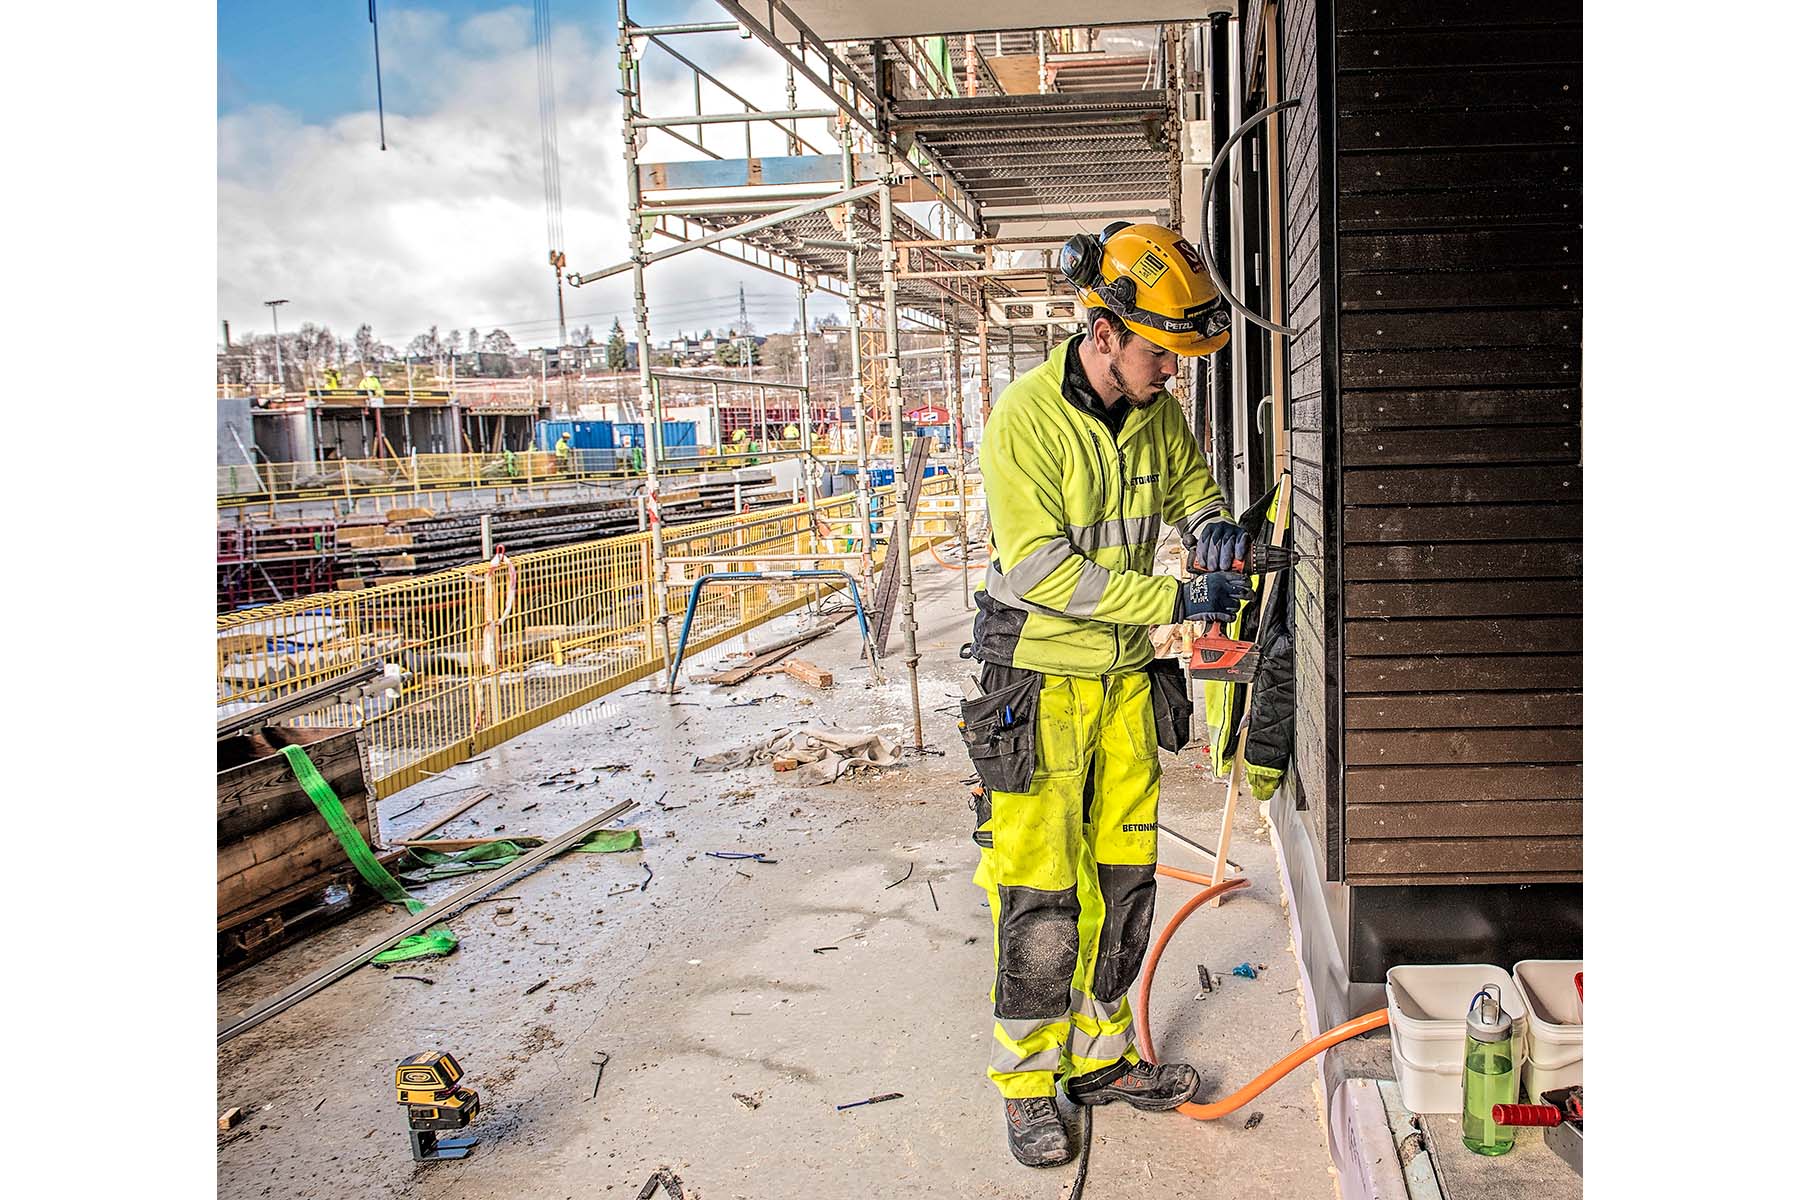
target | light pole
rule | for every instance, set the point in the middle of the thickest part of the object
(275, 314)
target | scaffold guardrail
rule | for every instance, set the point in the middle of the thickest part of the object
(492, 649)
(245, 486)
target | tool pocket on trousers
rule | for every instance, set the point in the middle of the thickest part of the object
(983, 804)
(1000, 728)
(1169, 703)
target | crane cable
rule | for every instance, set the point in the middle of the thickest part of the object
(553, 201)
(380, 108)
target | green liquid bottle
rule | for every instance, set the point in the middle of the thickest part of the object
(1488, 1074)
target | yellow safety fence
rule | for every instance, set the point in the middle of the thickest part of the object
(244, 486)
(489, 652)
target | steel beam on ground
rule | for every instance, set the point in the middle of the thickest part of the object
(326, 976)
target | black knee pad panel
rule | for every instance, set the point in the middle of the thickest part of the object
(1130, 895)
(1040, 939)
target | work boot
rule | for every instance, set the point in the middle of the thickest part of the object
(1158, 1088)
(1035, 1133)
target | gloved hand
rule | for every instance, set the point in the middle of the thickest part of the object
(1211, 597)
(1220, 544)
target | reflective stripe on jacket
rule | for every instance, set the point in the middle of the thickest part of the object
(1075, 516)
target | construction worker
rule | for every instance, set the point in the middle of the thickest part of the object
(370, 382)
(1086, 459)
(563, 446)
(791, 434)
(637, 458)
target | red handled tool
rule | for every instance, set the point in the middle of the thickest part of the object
(1215, 655)
(1561, 1116)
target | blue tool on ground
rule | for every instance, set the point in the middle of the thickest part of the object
(871, 1100)
(738, 855)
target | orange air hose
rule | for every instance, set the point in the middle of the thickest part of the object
(950, 566)
(1262, 1083)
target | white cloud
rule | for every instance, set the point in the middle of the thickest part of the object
(447, 226)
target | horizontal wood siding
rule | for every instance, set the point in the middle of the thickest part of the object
(1311, 779)
(1458, 233)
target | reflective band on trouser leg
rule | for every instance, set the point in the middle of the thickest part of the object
(1118, 901)
(1101, 1033)
(1030, 879)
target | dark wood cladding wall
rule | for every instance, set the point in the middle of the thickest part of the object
(1297, 67)
(1458, 220)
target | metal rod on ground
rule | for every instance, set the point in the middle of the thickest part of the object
(1200, 846)
(900, 530)
(328, 975)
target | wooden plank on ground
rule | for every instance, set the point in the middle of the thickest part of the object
(807, 672)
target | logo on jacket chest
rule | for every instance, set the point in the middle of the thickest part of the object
(1141, 480)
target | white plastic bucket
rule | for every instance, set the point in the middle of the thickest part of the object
(1428, 1011)
(1554, 1043)
(1430, 1087)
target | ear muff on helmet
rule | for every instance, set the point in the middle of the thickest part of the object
(1080, 260)
(1080, 257)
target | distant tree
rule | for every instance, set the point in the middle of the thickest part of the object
(733, 354)
(420, 346)
(456, 341)
(498, 341)
(583, 336)
(616, 355)
(364, 342)
(474, 339)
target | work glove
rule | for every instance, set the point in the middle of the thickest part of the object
(1214, 596)
(1220, 544)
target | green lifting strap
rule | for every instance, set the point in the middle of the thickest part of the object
(435, 942)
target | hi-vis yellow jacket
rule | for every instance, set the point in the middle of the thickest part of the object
(1074, 518)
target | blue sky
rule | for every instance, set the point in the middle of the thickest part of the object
(447, 227)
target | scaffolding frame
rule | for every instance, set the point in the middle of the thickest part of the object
(829, 221)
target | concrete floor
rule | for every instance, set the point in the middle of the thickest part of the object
(731, 1039)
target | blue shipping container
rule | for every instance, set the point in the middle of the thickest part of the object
(583, 435)
(679, 437)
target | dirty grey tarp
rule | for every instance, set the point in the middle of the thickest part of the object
(825, 753)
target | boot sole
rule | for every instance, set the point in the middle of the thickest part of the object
(1141, 1106)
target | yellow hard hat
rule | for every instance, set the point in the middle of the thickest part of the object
(1155, 281)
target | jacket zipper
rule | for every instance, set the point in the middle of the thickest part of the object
(1118, 647)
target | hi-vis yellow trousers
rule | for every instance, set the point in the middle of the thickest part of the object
(1071, 881)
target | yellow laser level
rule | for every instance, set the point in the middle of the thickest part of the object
(427, 1084)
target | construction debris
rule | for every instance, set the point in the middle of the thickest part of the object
(822, 754)
(230, 1117)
